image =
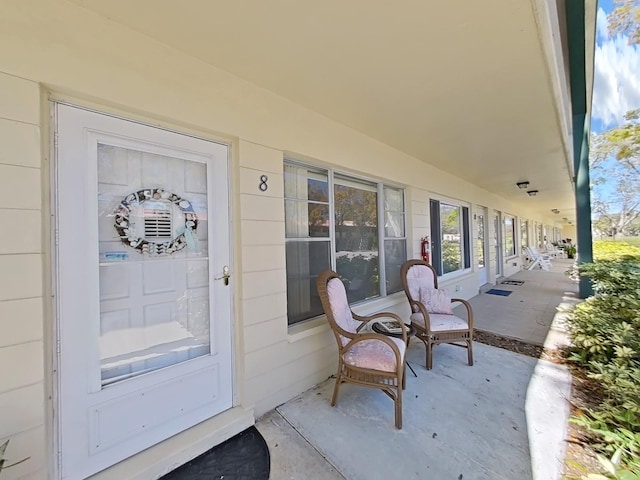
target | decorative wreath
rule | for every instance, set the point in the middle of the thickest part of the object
(127, 231)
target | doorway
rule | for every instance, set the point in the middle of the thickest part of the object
(481, 245)
(497, 237)
(143, 297)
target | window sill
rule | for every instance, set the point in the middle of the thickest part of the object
(449, 277)
(307, 329)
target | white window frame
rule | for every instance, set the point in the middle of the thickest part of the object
(380, 185)
(466, 240)
(514, 253)
(524, 226)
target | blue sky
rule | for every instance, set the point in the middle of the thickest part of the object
(616, 87)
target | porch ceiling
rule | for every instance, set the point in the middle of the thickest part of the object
(461, 85)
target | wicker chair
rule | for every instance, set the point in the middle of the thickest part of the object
(365, 359)
(418, 278)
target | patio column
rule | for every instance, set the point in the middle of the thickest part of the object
(575, 11)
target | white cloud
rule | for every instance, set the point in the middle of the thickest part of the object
(601, 26)
(616, 87)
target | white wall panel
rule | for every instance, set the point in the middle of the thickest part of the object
(260, 309)
(22, 393)
(20, 100)
(20, 321)
(259, 232)
(26, 405)
(20, 143)
(20, 231)
(22, 276)
(22, 365)
(265, 334)
(20, 188)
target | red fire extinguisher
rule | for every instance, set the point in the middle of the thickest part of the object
(424, 249)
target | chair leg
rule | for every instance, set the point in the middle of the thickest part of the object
(470, 352)
(404, 376)
(336, 387)
(398, 404)
(429, 355)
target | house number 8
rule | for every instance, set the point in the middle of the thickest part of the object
(263, 183)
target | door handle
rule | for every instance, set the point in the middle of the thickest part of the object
(225, 275)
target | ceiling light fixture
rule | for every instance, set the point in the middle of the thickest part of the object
(523, 185)
(532, 193)
(555, 210)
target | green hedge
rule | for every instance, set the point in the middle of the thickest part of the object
(605, 331)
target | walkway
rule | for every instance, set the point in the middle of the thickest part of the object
(503, 418)
(528, 313)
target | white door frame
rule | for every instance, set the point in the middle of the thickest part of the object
(498, 235)
(483, 273)
(56, 284)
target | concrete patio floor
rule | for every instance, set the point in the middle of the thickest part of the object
(503, 418)
(534, 311)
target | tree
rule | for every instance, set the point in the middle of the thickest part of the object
(625, 19)
(451, 220)
(621, 142)
(356, 216)
(615, 169)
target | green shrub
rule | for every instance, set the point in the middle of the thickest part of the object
(614, 277)
(605, 328)
(605, 331)
(451, 259)
(611, 467)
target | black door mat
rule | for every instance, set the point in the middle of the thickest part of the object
(243, 457)
(502, 293)
(512, 282)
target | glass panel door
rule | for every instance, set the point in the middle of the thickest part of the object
(154, 276)
(480, 241)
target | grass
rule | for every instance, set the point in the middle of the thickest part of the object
(635, 241)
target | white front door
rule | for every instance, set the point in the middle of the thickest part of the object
(143, 329)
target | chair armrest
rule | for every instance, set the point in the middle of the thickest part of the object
(367, 319)
(467, 305)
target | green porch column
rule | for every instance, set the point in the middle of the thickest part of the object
(575, 10)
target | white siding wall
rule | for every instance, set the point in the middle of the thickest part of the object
(418, 202)
(512, 265)
(21, 278)
(271, 354)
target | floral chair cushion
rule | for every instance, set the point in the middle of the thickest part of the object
(440, 322)
(419, 277)
(436, 300)
(340, 307)
(374, 354)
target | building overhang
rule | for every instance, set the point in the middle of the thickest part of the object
(478, 89)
